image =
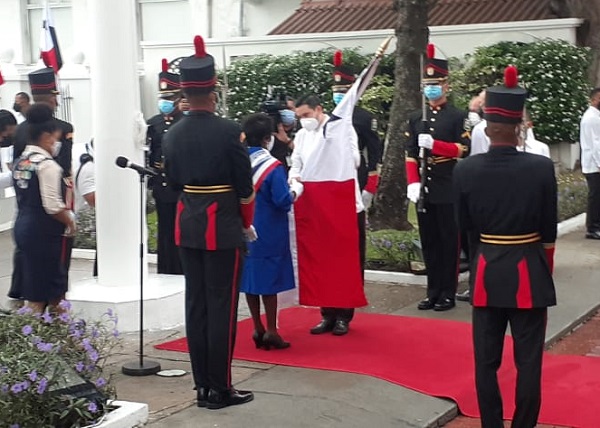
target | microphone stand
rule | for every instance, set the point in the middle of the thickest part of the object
(141, 367)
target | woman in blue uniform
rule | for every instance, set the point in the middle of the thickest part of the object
(268, 267)
(43, 222)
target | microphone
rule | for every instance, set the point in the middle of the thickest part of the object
(123, 162)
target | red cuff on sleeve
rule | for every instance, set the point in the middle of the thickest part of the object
(412, 171)
(550, 257)
(247, 210)
(372, 183)
(443, 148)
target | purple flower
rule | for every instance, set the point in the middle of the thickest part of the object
(4, 389)
(3, 370)
(92, 407)
(76, 333)
(33, 376)
(93, 356)
(26, 330)
(115, 333)
(25, 384)
(44, 347)
(64, 317)
(79, 367)
(16, 388)
(24, 311)
(95, 333)
(87, 345)
(100, 382)
(65, 305)
(15, 426)
(42, 385)
(109, 312)
(47, 317)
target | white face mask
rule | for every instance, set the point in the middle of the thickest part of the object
(271, 143)
(56, 148)
(309, 123)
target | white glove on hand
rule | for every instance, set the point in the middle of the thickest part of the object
(250, 234)
(413, 191)
(426, 141)
(297, 188)
(367, 198)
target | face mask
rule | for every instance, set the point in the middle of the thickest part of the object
(338, 97)
(186, 112)
(309, 123)
(433, 92)
(56, 148)
(288, 117)
(474, 118)
(166, 106)
(17, 107)
(271, 143)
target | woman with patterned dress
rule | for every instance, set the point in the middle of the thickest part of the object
(268, 266)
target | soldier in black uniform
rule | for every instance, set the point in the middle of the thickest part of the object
(205, 158)
(164, 195)
(508, 199)
(44, 90)
(444, 138)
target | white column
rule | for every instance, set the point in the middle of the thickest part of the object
(81, 21)
(200, 16)
(115, 104)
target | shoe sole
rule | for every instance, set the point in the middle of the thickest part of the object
(339, 333)
(202, 403)
(443, 309)
(217, 406)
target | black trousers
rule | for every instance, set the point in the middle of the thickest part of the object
(212, 280)
(593, 207)
(528, 328)
(16, 281)
(346, 314)
(440, 242)
(167, 254)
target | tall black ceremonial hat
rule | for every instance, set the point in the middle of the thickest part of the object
(198, 71)
(342, 75)
(168, 83)
(43, 81)
(504, 103)
(434, 69)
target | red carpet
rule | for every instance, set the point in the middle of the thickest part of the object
(434, 357)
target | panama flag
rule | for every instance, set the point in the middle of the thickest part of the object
(50, 52)
(326, 224)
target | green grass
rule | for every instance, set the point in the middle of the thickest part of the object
(152, 231)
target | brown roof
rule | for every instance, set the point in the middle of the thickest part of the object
(326, 16)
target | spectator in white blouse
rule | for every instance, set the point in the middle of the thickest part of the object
(590, 162)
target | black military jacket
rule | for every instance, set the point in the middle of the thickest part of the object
(157, 126)
(203, 156)
(508, 200)
(365, 126)
(65, 155)
(445, 123)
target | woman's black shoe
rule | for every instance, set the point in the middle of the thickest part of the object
(233, 397)
(258, 339)
(274, 341)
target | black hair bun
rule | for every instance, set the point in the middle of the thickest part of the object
(39, 113)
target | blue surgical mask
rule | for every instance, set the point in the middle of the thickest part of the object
(433, 92)
(288, 117)
(166, 106)
(337, 97)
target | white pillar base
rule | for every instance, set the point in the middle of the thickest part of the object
(164, 302)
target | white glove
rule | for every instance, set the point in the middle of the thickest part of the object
(367, 198)
(413, 191)
(297, 188)
(426, 141)
(250, 234)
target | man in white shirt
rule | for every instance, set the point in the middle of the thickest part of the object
(590, 162)
(85, 194)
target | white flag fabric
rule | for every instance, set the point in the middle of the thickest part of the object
(50, 52)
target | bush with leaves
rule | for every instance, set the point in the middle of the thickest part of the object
(40, 355)
(391, 249)
(553, 71)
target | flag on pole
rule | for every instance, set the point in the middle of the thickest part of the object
(326, 225)
(1, 78)
(50, 51)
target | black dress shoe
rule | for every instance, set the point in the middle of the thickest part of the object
(201, 396)
(444, 305)
(593, 235)
(426, 304)
(465, 296)
(218, 400)
(340, 328)
(324, 326)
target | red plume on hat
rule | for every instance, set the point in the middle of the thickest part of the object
(165, 65)
(430, 50)
(200, 47)
(337, 58)
(511, 76)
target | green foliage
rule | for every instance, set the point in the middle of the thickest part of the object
(553, 71)
(391, 249)
(572, 195)
(378, 100)
(40, 354)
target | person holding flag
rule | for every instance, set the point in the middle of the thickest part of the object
(330, 219)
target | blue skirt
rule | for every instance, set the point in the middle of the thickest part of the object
(267, 275)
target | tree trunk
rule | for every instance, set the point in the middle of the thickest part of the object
(390, 207)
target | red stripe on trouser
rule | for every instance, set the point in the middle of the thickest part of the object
(524, 300)
(180, 208)
(479, 291)
(211, 227)
(232, 315)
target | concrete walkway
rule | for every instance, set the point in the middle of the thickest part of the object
(291, 397)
